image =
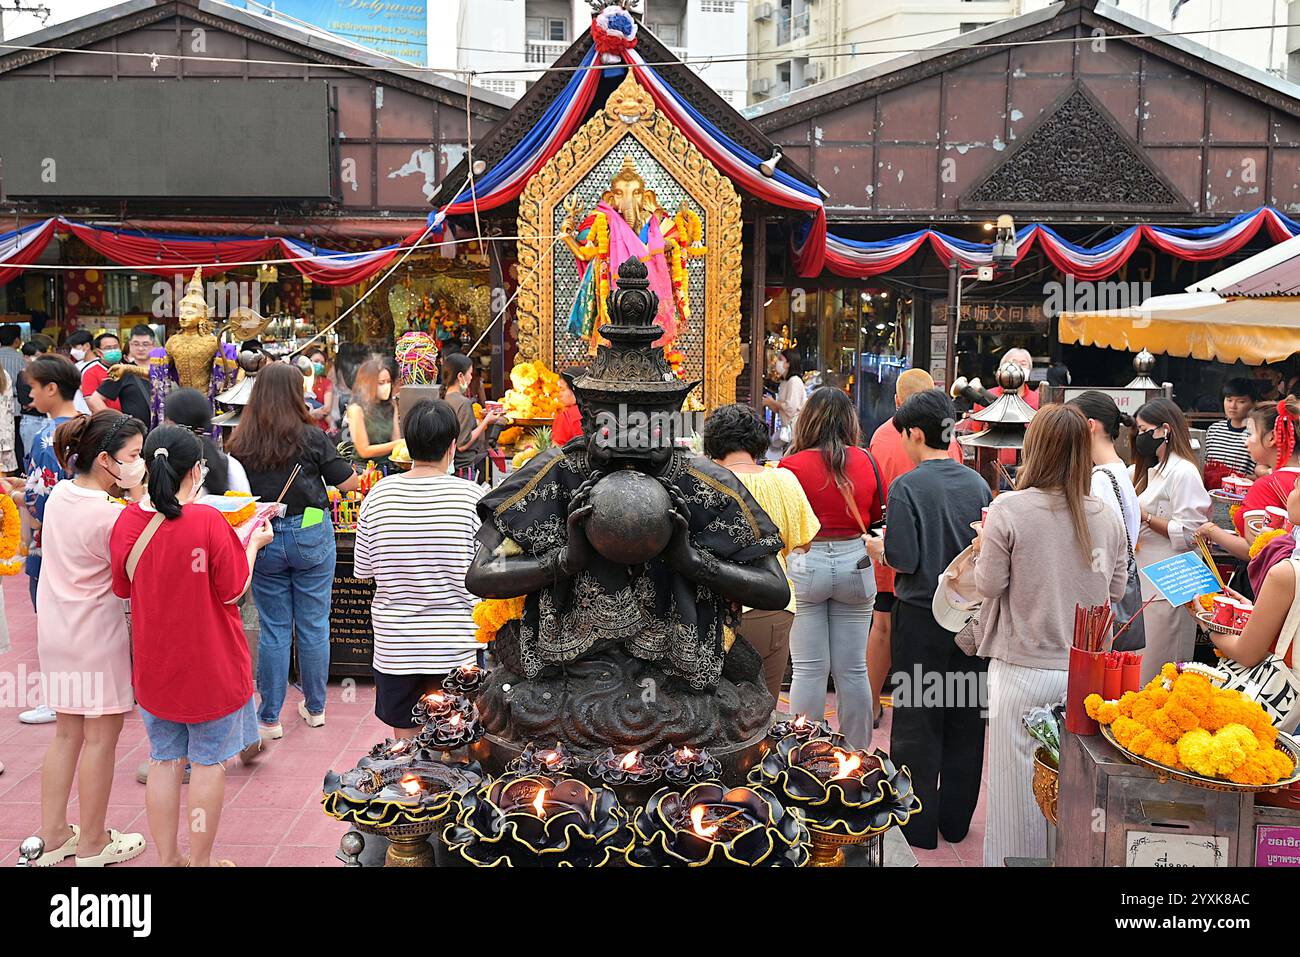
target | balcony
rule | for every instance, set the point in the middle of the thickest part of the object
(543, 52)
(789, 29)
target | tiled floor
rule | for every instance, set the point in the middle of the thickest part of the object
(272, 813)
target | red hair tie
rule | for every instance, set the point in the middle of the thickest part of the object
(1284, 434)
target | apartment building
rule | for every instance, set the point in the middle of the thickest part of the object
(796, 43)
(510, 42)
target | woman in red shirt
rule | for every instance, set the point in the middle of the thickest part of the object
(1270, 438)
(568, 420)
(191, 669)
(834, 583)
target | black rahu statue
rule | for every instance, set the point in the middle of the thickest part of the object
(635, 557)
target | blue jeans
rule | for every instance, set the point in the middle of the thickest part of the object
(292, 582)
(29, 426)
(829, 635)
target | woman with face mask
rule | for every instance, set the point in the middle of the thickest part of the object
(82, 637)
(1174, 505)
(472, 444)
(372, 416)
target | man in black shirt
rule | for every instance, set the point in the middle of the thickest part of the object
(938, 723)
(130, 391)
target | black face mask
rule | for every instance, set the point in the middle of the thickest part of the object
(1146, 444)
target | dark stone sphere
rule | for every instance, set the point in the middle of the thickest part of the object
(629, 521)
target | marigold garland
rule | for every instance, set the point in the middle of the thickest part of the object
(1184, 721)
(10, 536)
(491, 613)
(1263, 538)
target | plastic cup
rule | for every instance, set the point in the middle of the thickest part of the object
(1225, 610)
(1276, 516)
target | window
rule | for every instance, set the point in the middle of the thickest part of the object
(557, 30)
(669, 33)
(536, 28)
(717, 6)
(507, 87)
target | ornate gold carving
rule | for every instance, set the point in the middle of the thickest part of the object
(630, 112)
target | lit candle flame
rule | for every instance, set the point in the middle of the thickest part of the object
(454, 721)
(433, 699)
(685, 754)
(698, 825)
(400, 746)
(410, 784)
(630, 760)
(539, 802)
(800, 721)
(550, 757)
(848, 763)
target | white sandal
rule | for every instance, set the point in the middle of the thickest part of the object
(66, 850)
(121, 847)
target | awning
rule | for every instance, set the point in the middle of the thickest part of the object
(1199, 325)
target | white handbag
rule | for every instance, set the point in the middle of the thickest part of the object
(1272, 682)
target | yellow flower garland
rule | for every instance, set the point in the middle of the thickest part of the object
(1262, 539)
(10, 537)
(491, 613)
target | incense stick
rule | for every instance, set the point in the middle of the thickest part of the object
(284, 491)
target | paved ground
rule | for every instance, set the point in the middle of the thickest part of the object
(272, 814)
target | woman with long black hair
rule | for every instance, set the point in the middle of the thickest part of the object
(294, 576)
(189, 409)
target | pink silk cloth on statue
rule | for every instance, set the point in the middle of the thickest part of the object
(624, 242)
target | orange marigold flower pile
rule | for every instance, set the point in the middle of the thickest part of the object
(1187, 723)
(491, 613)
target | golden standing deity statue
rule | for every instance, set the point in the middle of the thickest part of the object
(193, 349)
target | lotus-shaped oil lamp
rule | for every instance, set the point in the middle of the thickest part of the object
(633, 775)
(709, 825)
(536, 759)
(539, 821)
(435, 703)
(466, 680)
(454, 729)
(402, 798)
(847, 796)
(801, 726)
(686, 765)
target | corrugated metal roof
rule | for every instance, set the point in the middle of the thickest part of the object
(1273, 272)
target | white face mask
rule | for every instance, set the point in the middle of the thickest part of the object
(130, 474)
(78, 354)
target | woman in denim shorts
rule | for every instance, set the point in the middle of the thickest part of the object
(184, 570)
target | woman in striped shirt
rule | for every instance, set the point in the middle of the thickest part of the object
(415, 538)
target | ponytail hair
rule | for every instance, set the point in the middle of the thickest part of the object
(78, 442)
(1281, 418)
(169, 452)
(1102, 409)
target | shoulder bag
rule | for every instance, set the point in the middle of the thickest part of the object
(852, 505)
(1135, 635)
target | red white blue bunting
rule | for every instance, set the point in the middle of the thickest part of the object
(165, 253)
(21, 247)
(859, 260)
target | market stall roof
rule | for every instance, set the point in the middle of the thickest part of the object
(1273, 272)
(327, 48)
(526, 114)
(1198, 325)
